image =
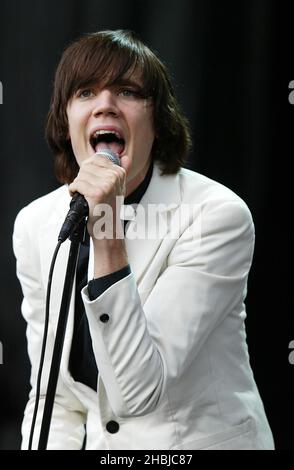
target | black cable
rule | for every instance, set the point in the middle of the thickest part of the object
(38, 386)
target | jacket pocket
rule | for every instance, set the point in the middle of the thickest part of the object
(240, 437)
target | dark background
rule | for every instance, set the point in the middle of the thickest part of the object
(232, 63)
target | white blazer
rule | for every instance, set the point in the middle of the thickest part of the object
(173, 363)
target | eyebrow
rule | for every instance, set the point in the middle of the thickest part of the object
(128, 82)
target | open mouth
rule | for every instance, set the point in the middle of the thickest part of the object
(107, 139)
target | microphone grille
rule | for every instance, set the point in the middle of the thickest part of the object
(112, 156)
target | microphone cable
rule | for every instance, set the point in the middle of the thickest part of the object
(44, 341)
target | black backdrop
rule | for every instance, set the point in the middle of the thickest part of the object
(232, 64)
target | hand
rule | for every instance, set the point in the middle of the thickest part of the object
(101, 182)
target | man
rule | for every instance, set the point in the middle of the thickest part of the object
(155, 353)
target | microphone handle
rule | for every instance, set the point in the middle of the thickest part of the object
(78, 210)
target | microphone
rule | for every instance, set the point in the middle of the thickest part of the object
(78, 206)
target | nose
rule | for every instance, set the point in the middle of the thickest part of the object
(105, 103)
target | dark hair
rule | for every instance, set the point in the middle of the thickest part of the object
(105, 57)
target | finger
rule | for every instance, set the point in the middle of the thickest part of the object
(100, 160)
(111, 171)
(87, 183)
(85, 188)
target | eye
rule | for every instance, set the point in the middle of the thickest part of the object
(127, 93)
(87, 93)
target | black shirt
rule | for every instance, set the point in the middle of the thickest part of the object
(82, 364)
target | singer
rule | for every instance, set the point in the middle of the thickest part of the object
(155, 353)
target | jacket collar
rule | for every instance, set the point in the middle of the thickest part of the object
(163, 190)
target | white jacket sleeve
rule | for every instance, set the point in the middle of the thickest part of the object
(141, 351)
(67, 425)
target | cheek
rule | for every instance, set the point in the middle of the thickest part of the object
(73, 132)
(145, 126)
(76, 117)
(76, 126)
(71, 124)
(147, 137)
(150, 123)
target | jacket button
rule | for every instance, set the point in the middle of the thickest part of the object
(112, 427)
(104, 318)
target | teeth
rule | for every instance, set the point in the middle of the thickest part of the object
(102, 131)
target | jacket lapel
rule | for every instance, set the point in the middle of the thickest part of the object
(146, 231)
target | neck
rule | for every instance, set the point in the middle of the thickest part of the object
(134, 182)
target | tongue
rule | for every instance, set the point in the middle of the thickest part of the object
(115, 147)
